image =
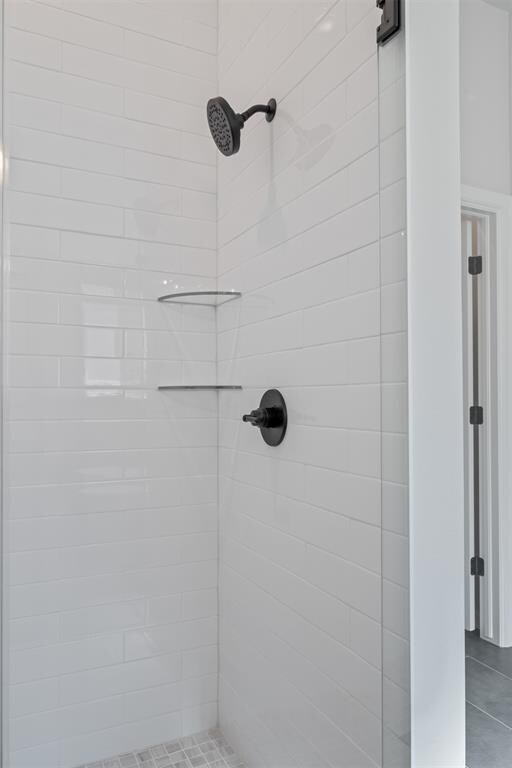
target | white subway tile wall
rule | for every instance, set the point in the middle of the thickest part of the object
(313, 558)
(112, 486)
(116, 195)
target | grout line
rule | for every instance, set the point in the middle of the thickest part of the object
(117, 116)
(244, 45)
(488, 666)
(116, 631)
(311, 584)
(109, 24)
(102, 52)
(102, 698)
(119, 206)
(102, 235)
(77, 138)
(308, 544)
(105, 84)
(117, 236)
(483, 712)
(88, 172)
(259, 651)
(104, 484)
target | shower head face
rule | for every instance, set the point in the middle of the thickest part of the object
(225, 125)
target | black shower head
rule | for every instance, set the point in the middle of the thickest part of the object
(225, 124)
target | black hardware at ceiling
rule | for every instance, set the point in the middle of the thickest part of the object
(271, 417)
(476, 415)
(477, 567)
(390, 21)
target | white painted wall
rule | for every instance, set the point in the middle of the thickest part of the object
(310, 535)
(111, 513)
(436, 451)
(486, 100)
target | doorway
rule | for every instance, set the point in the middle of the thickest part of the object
(478, 255)
(485, 241)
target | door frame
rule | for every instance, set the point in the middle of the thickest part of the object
(467, 249)
(496, 376)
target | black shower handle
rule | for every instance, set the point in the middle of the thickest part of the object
(271, 417)
(257, 417)
(265, 417)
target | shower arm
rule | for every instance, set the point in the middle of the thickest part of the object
(268, 109)
(253, 110)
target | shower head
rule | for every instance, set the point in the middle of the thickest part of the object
(225, 124)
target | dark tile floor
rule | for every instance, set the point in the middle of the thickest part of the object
(488, 704)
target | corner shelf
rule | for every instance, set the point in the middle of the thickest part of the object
(199, 387)
(211, 298)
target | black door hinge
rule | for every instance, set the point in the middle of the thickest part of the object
(475, 265)
(477, 566)
(476, 415)
(390, 21)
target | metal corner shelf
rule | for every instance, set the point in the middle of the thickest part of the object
(186, 297)
(198, 387)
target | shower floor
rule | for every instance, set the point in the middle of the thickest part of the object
(208, 749)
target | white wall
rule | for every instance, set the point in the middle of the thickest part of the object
(435, 385)
(111, 513)
(486, 96)
(305, 535)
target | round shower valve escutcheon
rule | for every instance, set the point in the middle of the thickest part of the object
(271, 417)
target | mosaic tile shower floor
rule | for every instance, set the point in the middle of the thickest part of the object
(203, 750)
